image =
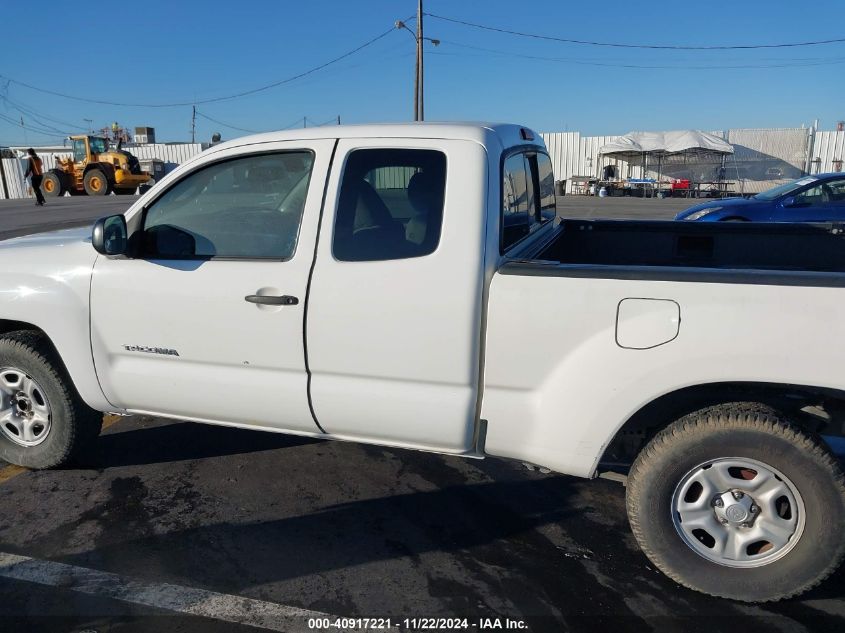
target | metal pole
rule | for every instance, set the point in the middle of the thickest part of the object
(193, 124)
(418, 72)
(420, 43)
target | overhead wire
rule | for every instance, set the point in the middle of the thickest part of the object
(672, 47)
(237, 95)
(608, 64)
(30, 111)
(228, 125)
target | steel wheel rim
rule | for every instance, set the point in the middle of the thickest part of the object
(25, 413)
(738, 512)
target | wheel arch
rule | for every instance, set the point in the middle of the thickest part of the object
(106, 168)
(95, 399)
(656, 415)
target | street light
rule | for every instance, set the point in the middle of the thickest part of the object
(418, 78)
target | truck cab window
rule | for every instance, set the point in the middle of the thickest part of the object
(246, 208)
(390, 205)
(528, 195)
(517, 200)
(546, 187)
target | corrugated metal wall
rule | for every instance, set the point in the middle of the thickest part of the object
(15, 186)
(828, 152)
(760, 154)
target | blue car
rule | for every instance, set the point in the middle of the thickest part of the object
(819, 198)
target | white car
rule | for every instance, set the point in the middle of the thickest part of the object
(411, 286)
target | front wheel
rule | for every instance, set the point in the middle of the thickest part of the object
(43, 421)
(736, 502)
(96, 183)
(51, 185)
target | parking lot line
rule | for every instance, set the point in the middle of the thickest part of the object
(7, 472)
(10, 470)
(175, 598)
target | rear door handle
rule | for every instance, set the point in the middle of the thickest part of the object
(271, 300)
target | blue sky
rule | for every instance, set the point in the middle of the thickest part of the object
(190, 50)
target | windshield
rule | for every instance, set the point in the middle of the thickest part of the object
(784, 189)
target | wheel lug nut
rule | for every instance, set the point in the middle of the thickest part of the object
(738, 494)
(754, 509)
(724, 521)
(745, 525)
(718, 503)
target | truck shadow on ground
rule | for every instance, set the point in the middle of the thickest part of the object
(182, 441)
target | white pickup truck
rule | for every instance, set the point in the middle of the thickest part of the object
(411, 286)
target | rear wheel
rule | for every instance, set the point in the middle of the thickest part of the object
(51, 185)
(96, 183)
(735, 501)
(43, 421)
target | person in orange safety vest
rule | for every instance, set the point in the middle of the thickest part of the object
(35, 169)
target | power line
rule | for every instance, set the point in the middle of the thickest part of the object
(212, 100)
(228, 125)
(569, 60)
(31, 129)
(32, 112)
(620, 45)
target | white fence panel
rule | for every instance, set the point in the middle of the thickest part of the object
(828, 152)
(15, 185)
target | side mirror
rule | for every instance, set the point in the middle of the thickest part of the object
(789, 202)
(110, 236)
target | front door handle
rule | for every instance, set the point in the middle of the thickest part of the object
(271, 300)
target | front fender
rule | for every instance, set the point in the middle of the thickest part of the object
(45, 281)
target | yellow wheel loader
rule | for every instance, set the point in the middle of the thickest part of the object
(94, 169)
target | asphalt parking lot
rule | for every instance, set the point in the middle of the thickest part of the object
(172, 526)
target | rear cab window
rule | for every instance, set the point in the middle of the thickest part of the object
(527, 196)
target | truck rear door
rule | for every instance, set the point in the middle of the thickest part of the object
(394, 312)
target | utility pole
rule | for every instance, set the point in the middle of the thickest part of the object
(420, 39)
(338, 119)
(418, 77)
(194, 124)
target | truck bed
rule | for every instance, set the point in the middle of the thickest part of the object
(715, 246)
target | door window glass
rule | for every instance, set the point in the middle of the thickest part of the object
(390, 204)
(822, 193)
(78, 150)
(248, 208)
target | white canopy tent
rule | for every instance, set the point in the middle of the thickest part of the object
(636, 146)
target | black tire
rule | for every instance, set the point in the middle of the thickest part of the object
(744, 431)
(73, 424)
(52, 185)
(124, 192)
(96, 183)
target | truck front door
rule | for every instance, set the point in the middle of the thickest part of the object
(205, 321)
